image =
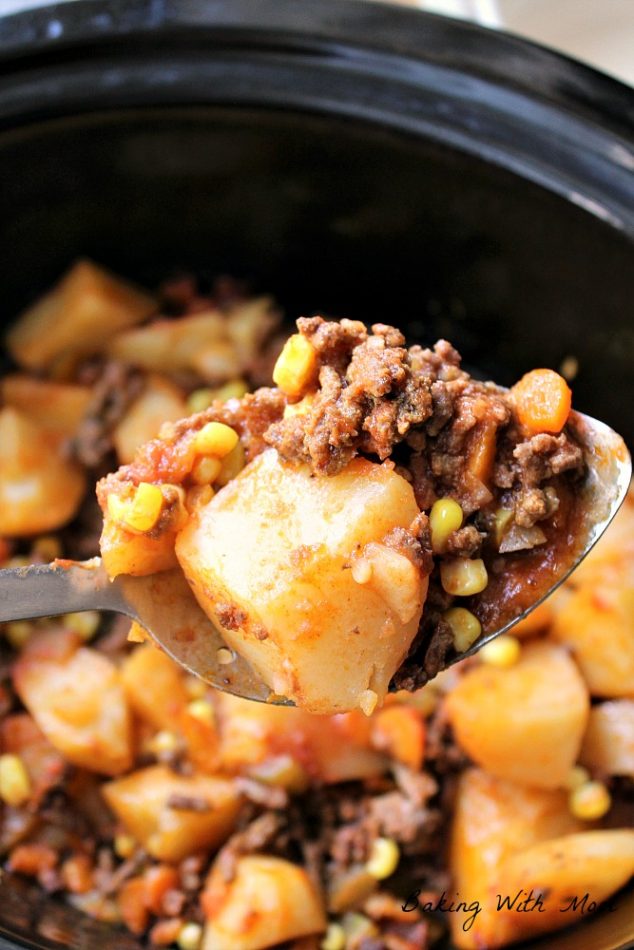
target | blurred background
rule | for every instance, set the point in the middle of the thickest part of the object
(599, 32)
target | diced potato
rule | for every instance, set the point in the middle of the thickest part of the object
(329, 748)
(154, 686)
(524, 723)
(79, 315)
(597, 623)
(248, 325)
(169, 346)
(147, 803)
(138, 554)
(276, 544)
(573, 874)
(78, 702)
(20, 735)
(58, 408)
(608, 745)
(39, 490)
(493, 820)
(218, 362)
(267, 902)
(161, 401)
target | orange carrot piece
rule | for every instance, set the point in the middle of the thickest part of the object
(132, 905)
(158, 880)
(400, 732)
(30, 859)
(482, 452)
(542, 401)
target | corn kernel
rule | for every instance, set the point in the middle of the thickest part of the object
(163, 742)
(190, 936)
(503, 519)
(203, 710)
(299, 408)
(367, 701)
(195, 687)
(200, 400)
(215, 438)
(136, 633)
(334, 938)
(504, 651)
(282, 771)
(84, 624)
(361, 570)
(463, 576)
(465, 626)
(145, 509)
(197, 496)
(234, 389)
(356, 927)
(206, 470)
(232, 465)
(445, 517)
(19, 560)
(48, 547)
(124, 846)
(296, 365)
(224, 656)
(590, 801)
(15, 784)
(384, 858)
(18, 632)
(576, 777)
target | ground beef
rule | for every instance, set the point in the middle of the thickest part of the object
(115, 386)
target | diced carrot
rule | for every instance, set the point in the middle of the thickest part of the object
(132, 905)
(32, 858)
(77, 874)
(400, 732)
(165, 932)
(482, 452)
(158, 880)
(542, 401)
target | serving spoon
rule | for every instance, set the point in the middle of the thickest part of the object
(164, 605)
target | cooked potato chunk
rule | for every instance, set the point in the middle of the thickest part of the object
(174, 815)
(540, 705)
(273, 550)
(161, 401)
(138, 554)
(39, 490)
(57, 407)
(268, 901)
(154, 686)
(329, 748)
(493, 820)
(608, 745)
(573, 874)
(79, 316)
(169, 346)
(77, 700)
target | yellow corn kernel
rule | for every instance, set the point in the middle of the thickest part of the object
(190, 936)
(334, 938)
(198, 496)
(195, 687)
(48, 547)
(577, 776)
(215, 438)
(504, 651)
(15, 784)
(84, 624)
(232, 465)
(203, 710)
(18, 632)
(465, 626)
(234, 389)
(503, 519)
(200, 399)
(384, 858)
(299, 408)
(282, 771)
(146, 507)
(206, 470)
(295, 366)
(445, 517)
(124, 846)
(367, 701)
(590, 801)
(361, 570)
(463, 576)
(136, 633)
(163, 742)
(356, 927)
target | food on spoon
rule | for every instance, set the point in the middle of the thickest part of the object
(373, 474)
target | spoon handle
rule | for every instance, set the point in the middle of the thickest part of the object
(59, 588)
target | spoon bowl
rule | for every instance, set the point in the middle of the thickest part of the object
(164, 605)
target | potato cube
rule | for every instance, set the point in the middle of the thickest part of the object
(138, 554)
(39, 490)
(77, 700)
(268, 902)
(169, 346)
(608, 745)
(496, 712)
(79, 316)
(154, 686)
(174, 815)
(161, 401)
(58, 408)
(274, 548)
(493, 820)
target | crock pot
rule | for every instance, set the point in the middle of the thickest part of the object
(354, 159)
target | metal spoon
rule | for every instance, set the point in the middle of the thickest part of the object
(164, 605)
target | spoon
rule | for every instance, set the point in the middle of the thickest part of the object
(164, 605)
